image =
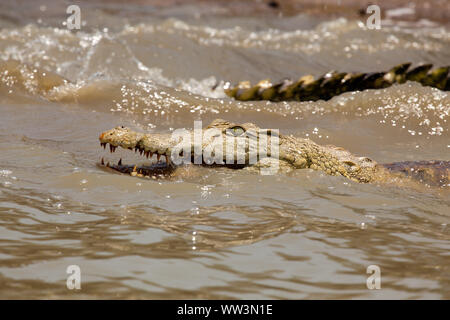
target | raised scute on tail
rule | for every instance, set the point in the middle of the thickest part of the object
(333, 83)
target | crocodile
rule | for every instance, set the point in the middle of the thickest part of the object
(288, 152)
(333, 83)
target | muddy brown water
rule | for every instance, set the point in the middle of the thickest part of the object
(219, 233)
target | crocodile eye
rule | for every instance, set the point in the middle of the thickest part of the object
(237, 131)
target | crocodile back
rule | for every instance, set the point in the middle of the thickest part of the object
(433, 172)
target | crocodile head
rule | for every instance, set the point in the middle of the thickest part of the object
(238, 146)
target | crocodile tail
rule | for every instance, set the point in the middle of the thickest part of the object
(331, 84)
(437, 78)
(434, 172)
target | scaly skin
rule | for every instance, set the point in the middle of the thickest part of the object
(332, 84)
(293, 153)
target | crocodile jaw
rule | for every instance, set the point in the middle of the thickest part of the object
(128, 139)
(294, 153)
(178, 149)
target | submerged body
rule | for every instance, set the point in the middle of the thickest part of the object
(287, 152)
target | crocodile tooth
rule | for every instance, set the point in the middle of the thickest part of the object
(151, 154)
(120, 162)
(103, 145)
(135, 149)
(110, 148)
(147, 153)
(140, 151)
